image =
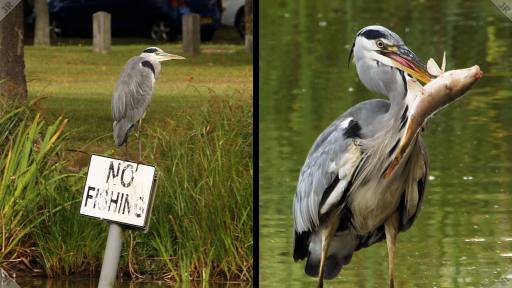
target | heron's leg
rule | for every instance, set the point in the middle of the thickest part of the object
(138, 137)
(391, 229)
(126, 151)
(327, 233)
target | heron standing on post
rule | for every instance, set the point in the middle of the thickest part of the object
(133, 93)
(350, 193)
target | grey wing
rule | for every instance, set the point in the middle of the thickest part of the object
(326, 173)
(133, 91)
(131, 97)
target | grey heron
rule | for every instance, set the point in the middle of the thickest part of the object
(351, 193)
(133, 92)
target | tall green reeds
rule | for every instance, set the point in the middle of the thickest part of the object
(27, 171)
(203, 224)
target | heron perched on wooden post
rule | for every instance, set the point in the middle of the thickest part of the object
(133, 92)
(357, 186)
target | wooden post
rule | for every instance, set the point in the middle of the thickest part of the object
(248, 25)
(42, 29)
(191, 34)
(101, 32)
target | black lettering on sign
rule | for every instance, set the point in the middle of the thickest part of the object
(102, 199)
(96, 198)
(121, 203)
(111, 170)
(88, 196)
(113, 201)
(123, 182)
(126, 205)
(139, 207)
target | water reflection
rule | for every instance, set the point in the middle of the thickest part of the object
(460, 238)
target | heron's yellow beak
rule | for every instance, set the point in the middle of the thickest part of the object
(404, 59)
(166, 56)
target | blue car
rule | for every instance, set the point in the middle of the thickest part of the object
(158, 19)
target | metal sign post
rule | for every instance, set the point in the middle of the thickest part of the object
(111, 256)
(121, 192)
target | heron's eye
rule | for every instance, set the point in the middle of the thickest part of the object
(380, 44)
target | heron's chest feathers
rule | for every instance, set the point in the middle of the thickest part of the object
(374, 197)
(374, 200)
(372, 203)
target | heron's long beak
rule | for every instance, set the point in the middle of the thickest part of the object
(404, 59)
(166, 56)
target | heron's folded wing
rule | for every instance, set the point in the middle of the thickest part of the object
(133, 91)
(326, 173)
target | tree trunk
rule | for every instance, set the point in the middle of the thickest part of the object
(13, 85)
(42, 30)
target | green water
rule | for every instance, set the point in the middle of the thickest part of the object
(463, 236)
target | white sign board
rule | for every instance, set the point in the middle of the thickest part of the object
(118, 191)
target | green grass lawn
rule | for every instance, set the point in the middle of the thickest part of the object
(79, 83)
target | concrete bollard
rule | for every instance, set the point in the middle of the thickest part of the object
(101, 32)
(248, 26)
(191, 34)
(42, 29)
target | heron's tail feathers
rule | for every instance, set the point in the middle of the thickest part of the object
(301, 245)
(340, 253)
(121, 130)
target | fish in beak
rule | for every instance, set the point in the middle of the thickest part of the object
(441, 91)
(404, 59)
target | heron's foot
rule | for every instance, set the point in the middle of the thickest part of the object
(320, 283)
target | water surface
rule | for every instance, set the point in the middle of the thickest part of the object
(463, 236)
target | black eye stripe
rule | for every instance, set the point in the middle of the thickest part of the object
(150, 50)
(371, 34)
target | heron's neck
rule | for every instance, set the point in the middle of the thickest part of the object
(383, 79)
(397, 94)
(156, 66)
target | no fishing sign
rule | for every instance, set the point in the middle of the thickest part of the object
(119, 191)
